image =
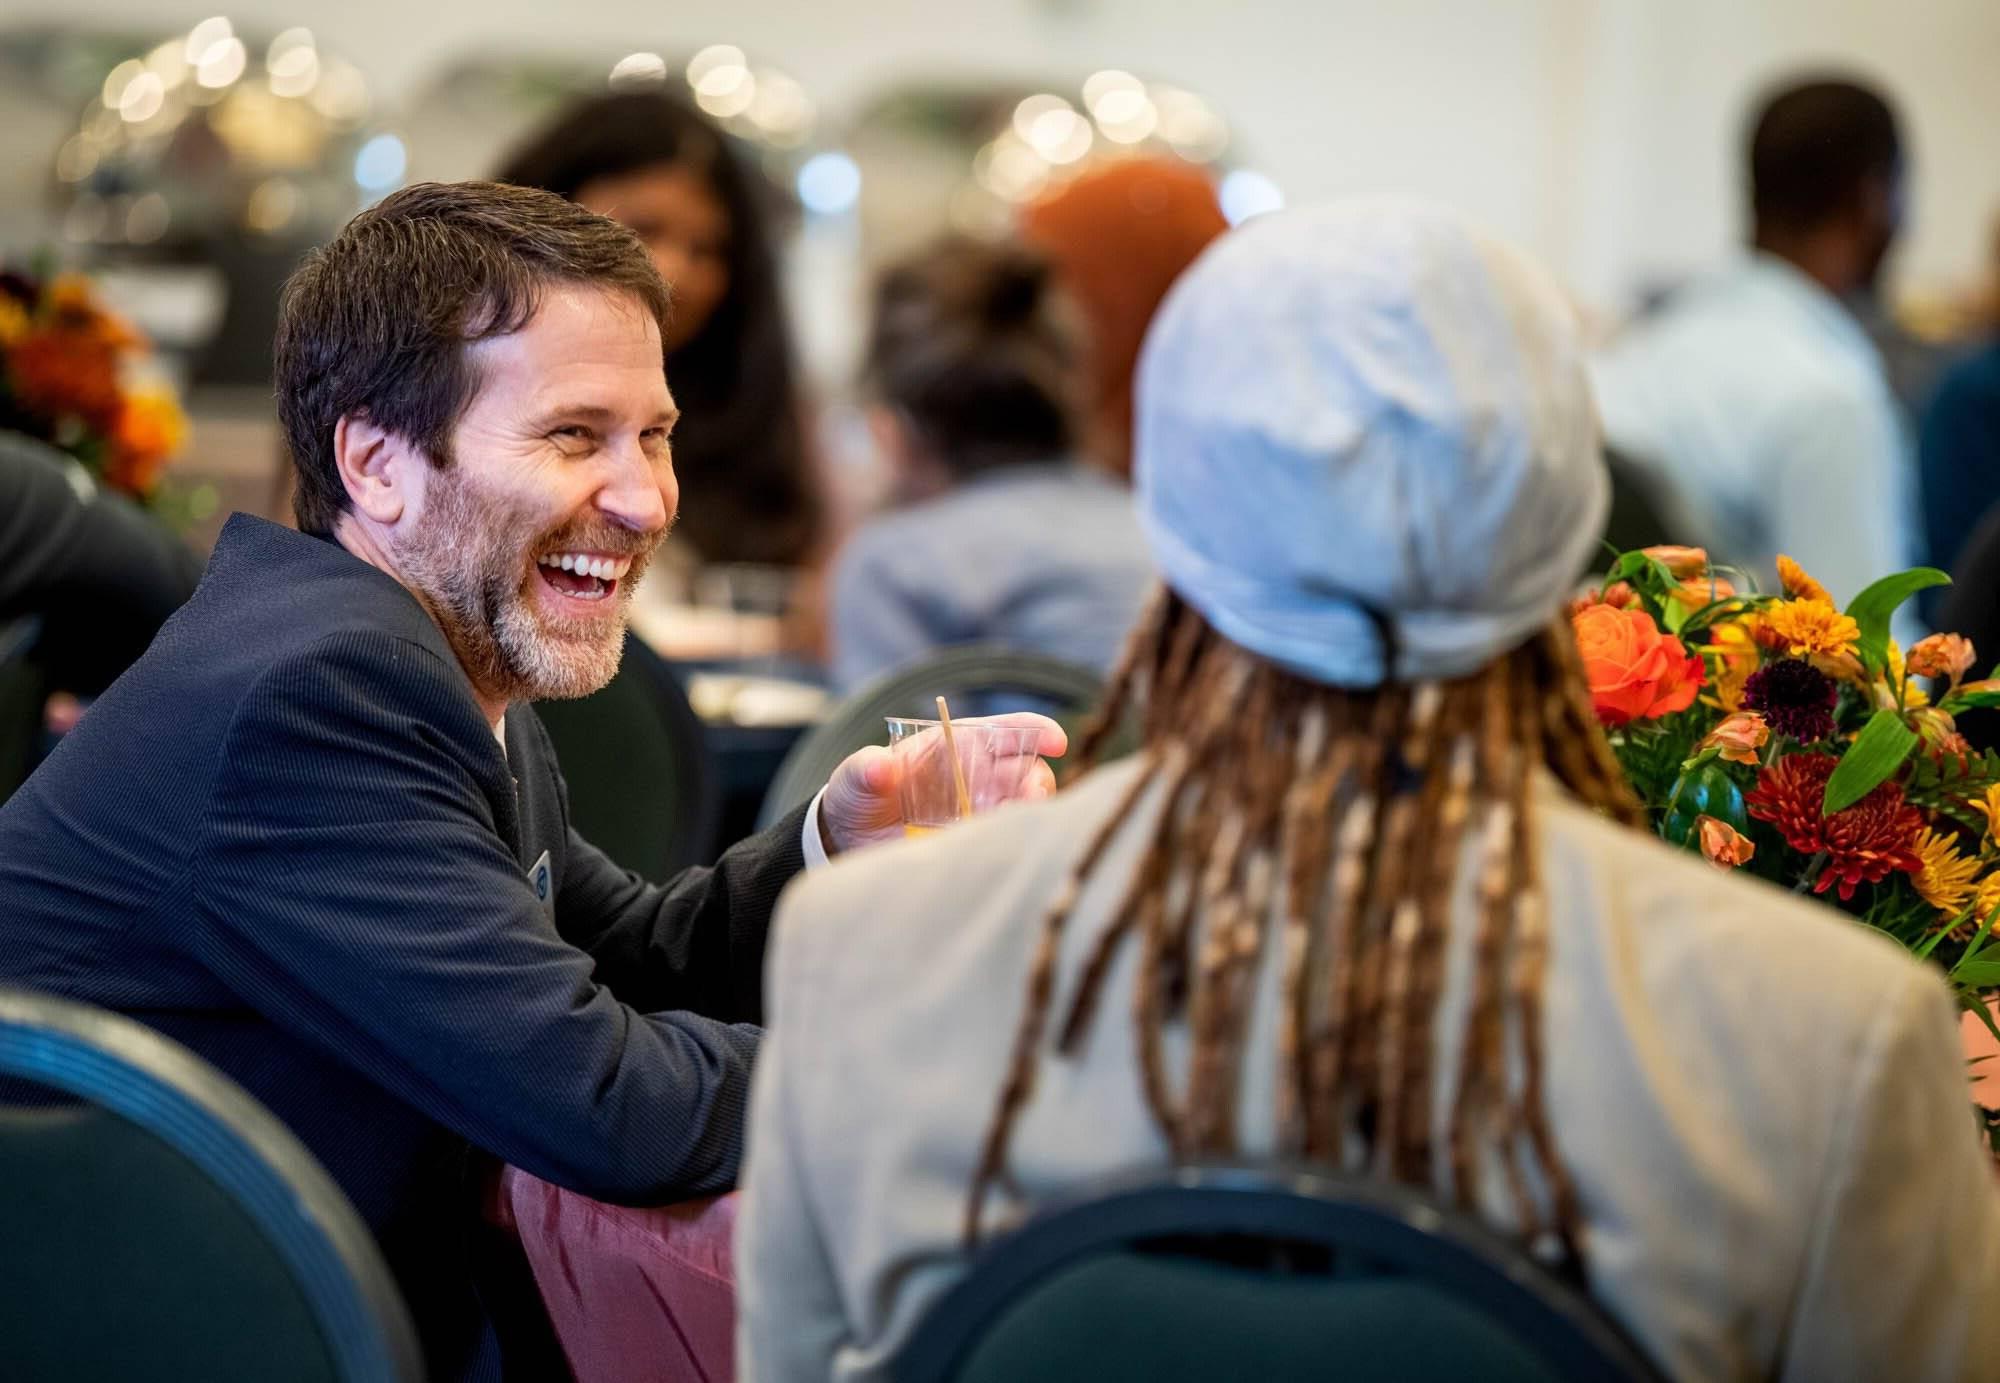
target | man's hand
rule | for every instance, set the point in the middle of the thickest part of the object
(863, 801)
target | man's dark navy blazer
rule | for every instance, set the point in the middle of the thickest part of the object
(288, 838)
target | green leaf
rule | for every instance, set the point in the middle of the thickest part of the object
(1975, 1004)
(1985, 930)
(1947, 783)
(1974, 952)
(1873, 607)
(1930, 943)
(1959, 701)
(1626, 567)
(1877, 752)
(1645, 574)
(1979, 974)
(1716, 612)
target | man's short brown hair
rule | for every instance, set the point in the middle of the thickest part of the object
(375, 323)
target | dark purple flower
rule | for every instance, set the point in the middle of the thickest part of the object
(1795, 698)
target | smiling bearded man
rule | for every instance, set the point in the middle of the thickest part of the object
(465, 561)
(533, 614)
(317, 833)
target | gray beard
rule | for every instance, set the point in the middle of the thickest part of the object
(466, 567)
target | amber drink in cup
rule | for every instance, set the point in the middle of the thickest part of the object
(946, 778)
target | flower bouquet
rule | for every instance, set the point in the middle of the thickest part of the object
(1788, 738)
(70, 376)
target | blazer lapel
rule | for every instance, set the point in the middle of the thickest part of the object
(541, 821)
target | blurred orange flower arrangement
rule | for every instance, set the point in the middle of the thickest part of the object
(67, 377)
(1789, 738)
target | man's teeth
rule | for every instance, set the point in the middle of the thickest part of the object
(584, 564)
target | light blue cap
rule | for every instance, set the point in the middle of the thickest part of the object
(1363, 414)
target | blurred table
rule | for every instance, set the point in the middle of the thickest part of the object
(634, 1294)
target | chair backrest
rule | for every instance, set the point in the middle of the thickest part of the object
(22, 689)
(978, 679)
(1271, 1274)
(643, 784)
(160, 1224)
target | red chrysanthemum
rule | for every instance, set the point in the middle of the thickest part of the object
(1863, 843)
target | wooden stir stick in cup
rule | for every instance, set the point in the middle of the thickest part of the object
(957, 769)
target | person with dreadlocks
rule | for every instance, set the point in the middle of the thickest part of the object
(1369, 895)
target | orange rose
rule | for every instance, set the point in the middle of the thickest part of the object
(1722, 845)
(1635, 672)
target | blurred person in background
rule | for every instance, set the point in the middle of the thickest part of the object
(1369, 469)
(1756, 399)
(1119, 237)
(657, 165)
(100, 572)
(1000, 534)
(1958, 466)
(97, 573)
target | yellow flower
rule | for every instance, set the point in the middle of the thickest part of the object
(1946, 879)
(1805, 627)
(1734, 651)
(1885, 691)
(1989, 807)
(1797, 584)
(1984, 901)
(13, 320)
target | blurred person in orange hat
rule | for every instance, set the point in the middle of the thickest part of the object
(1119, 237)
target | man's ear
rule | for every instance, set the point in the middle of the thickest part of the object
(380, 470)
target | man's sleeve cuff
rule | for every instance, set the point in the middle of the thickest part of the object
(814, 846)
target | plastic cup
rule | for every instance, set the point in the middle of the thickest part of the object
(994, 762)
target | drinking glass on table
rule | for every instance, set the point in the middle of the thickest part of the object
(946, 778)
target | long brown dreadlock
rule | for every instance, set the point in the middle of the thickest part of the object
(1348, 811)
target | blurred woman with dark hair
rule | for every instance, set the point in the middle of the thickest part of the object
(655, 164)
(976, 367)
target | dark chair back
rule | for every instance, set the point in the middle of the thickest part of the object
(1267, 1274)
(643, 785)
(978, 679)
(160, 1224)
(1640, 514)
(22, 691)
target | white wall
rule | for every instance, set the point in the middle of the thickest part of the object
(1600, 133)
